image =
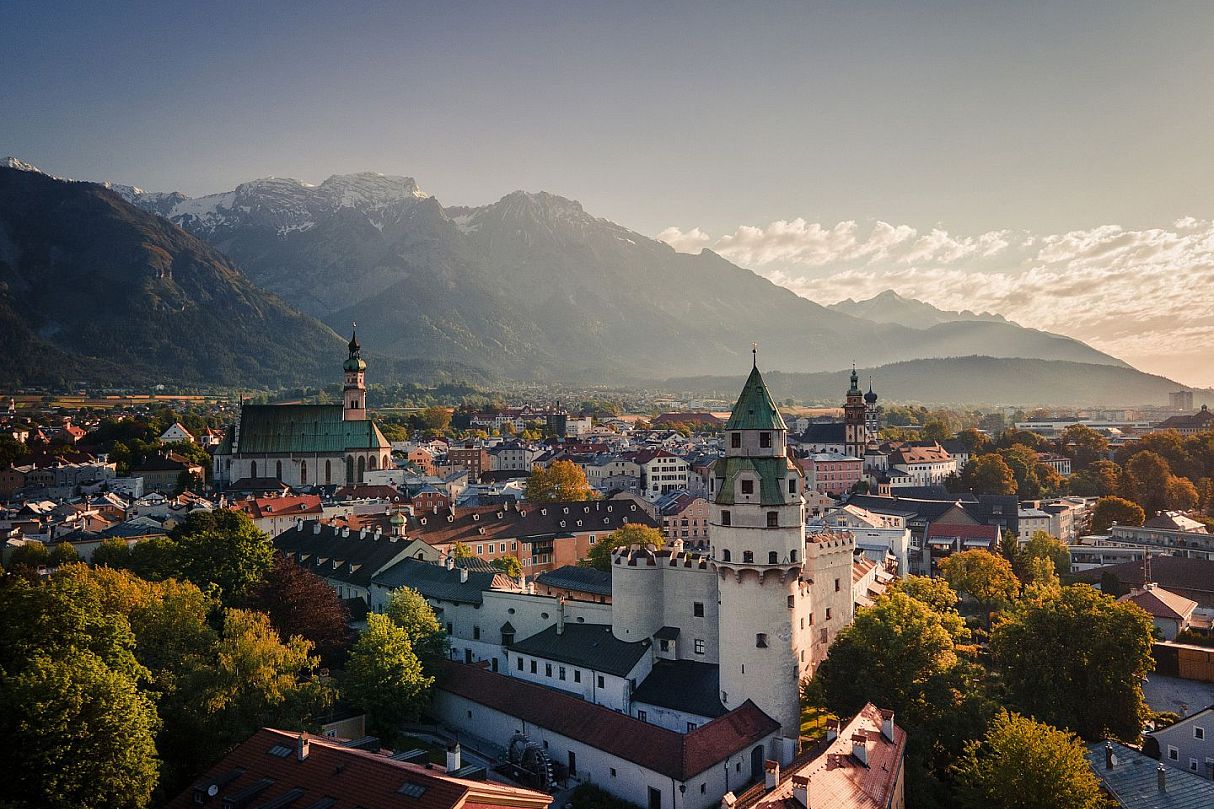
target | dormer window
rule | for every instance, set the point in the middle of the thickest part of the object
(748, 487)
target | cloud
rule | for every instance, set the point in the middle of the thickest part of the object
(1142, 295)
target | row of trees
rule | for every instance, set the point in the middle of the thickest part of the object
(1000, 725)
(126, 679)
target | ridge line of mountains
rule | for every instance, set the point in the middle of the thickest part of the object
(251, 286)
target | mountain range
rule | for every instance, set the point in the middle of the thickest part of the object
(252, 286)
(534, 286)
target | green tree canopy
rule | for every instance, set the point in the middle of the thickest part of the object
(409, 610)
(988, 474)
(627, 535)
(983, 576)
(1083, 445)
(225, 549)
(1145, 481)
(941, 598)
(1076, 661)
(1022, 764)
(384, 676)
(562, 480)
(510, 565)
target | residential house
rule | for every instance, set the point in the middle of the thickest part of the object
(925, 465)
(1170, 613)
(944, 539)
(1134, 780)
(1188, 578)
(1186, 745)
(177, 434)
(576, 583)
(831, 473)
(684, 516)
(273, 515)
(470, 455)
(162, 473)
(662, 472)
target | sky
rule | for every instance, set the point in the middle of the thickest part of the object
(1050, 162)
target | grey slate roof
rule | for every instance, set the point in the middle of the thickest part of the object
(829, 432)
(1132, 781)
(581, 579)
(434, 580)
(683, 685)
(589, 646)
(353, 558)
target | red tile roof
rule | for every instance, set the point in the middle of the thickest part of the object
(352, 778)
(1161, 603)
(837, 779)
(962, 531)
(676, 755)
(259, 507)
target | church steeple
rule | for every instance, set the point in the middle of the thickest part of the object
(354, 396)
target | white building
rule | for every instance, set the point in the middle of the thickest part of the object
(177, 433)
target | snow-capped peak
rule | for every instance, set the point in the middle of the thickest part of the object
(11, 162)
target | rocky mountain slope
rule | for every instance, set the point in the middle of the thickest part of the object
(533, 286)
(890, 307)
(95, 290)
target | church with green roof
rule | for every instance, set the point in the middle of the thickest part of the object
(305, 445)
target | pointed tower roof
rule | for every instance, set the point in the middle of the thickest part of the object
(855, 380)
(755, 410)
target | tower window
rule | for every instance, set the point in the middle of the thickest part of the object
(697, 609)
(792, 485)
(725, 555)
(699, 646)
(761, 640)
(772, 557)
(748, 557)
(725, 518)
(836, 585)
(735, 440)
(792, 556)
(773, 519)
(792, 602)
(748, 487)
(765, 440)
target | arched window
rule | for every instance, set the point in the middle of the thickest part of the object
(748, 557)
(278, 469)
(362, 469)
(328, 472)
(253, 469)
(725, 555)
(349, 469)
(303, 473)
(387, 462)
(374, 463)
(772, 557)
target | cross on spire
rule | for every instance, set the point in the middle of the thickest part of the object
(754, 350)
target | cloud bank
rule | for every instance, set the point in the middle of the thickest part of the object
(1146, 296)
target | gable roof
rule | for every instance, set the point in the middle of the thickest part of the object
(1170, 572)
(1132, 781)
(683, 685)
(577, 578)
(1160, 603)
(588, 646)
(331, 552)
(675, 755)
(524, 522)
(829, 432)
(348, 777)
(435, 580)
(299, 428)
(755, 409)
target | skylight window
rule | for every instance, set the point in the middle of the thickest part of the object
(280, 750)
(412, 789)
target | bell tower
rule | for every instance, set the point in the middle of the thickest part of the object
(354, 395)
(757, 528)
(854, 422)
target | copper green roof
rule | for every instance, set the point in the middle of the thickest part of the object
(755, 409)
(303, 429)
(772, 473)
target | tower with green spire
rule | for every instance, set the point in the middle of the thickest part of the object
(757, 528)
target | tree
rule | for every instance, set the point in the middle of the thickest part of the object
(461, 550)
(974, 440)
(561, 481)
(11, 450)
(1024, 464)
(941, 598)
(1043, 546)
(1145, 481)
(1076, 661)
(62, 553)
(225, 549)
(983, 576)
(384, 676)
(409, 610)
(300, 603)
(1180, 494)
(112, 552)
(988, 474)
(1083, 445)
(1109, 510)
(625, 536)
(510, 565)
(1100, 479)
(86, 735)
(1020, 763)
(29, 556)
(937, 429)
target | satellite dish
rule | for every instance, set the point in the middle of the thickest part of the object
(213, 790)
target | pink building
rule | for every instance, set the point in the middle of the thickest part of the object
(832, 473)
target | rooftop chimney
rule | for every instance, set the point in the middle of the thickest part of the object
(771, 774)
(800, 789)
(1161, 778)
(1108, 755)
(453, 757)
(859, 748)
(463, 575)
(302, 747)
(832, 730)
(728, 800)
(887, 724)
(560, 616)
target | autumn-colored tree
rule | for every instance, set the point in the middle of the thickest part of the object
(626, 535)
(462, 550)
(1083, 445)
(1026, 467)
(1076, 661)
(300, 603)
(1146, 481)
(1020, 763)
(510, 565)
(561, 481)
(1043, 546)
(1180, 494)
(1109, 510)
(988, 474)
(975, 441)
(983, 576)
(941, 598)
(1100, 479)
